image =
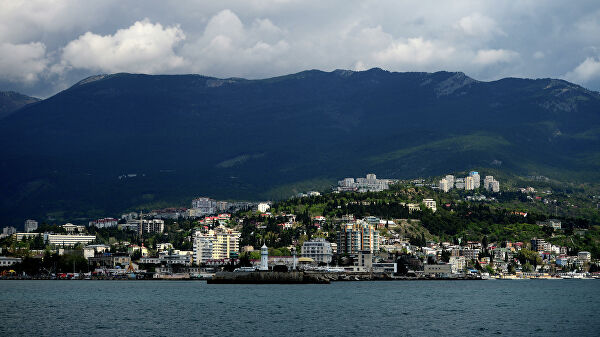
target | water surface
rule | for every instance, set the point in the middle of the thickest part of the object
(408, 308)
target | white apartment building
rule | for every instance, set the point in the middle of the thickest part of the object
(203, 249)
(153, 226)
(584, 256)
(476, 179)
(67, 240)
(317, 249)
(30, 225)
(469, 183)
(220, 242)
(430, 203)
(491, 184)
(104, 223)
(263, 207)
(445, 185)
(204, 206)
(458, 263)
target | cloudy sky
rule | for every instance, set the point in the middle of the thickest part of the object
(47, 45)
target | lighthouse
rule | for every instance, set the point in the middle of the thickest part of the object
(264, 258)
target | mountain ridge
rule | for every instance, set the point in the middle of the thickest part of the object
(189, 135)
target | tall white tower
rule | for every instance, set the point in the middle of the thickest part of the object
(264, 257)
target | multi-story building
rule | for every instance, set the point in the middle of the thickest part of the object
(110, 260)
(356, 237)
(476, 179)
(368, 184)
(204, 206)
(203, 249)
(8, 231)
(221, 243)
(491, 184)
(263, 207)
(67, 240)
(445, 185)
(153, 226)
(469, 183)
(458, 263)
(538, 245)
(317, 249)
(430, 203)
(30, 226)
(104, 223)
(471, 254)
(584, 256)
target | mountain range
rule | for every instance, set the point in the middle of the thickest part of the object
(11, 101)
(124, 141)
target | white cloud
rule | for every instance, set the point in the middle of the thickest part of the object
(263, 38)
(586, 71)
(228, 48)
(414, 51)
(492, 56)
(144, 47)
(479, 25)
(538, 55)
(22, 62)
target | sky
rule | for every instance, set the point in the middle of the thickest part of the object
(48, 45)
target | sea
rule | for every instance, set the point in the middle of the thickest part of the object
(380, 308)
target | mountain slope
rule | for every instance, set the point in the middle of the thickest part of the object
(11, 101)
(116, 141)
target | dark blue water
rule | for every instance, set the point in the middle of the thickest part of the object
(423, 308)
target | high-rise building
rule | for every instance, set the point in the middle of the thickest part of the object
(203, 249)
(205, 206)
(476, 179)
(153, 226)
(469, 183)
(263, 207)
(317, 249)
(490, 184)
(356, 237)
(30, 226)
(445, 185)
(224, 243)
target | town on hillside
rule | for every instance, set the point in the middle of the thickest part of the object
(453, 227)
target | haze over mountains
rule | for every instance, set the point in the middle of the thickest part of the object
(113, 142)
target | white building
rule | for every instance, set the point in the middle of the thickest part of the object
(430, 203)
(223, 243)
(204, 206)
(445, 185)
(476, 179)
(8, 231)
(6, 261)
(469, 183)
(263, 207)
(317, 249)
(490, 184)
(104, 223)
(67, 240)
(458, 263)
(153, 226)
(584, 256)
(368, 184)
(203, 249)
(30, 226)
(70, 228)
